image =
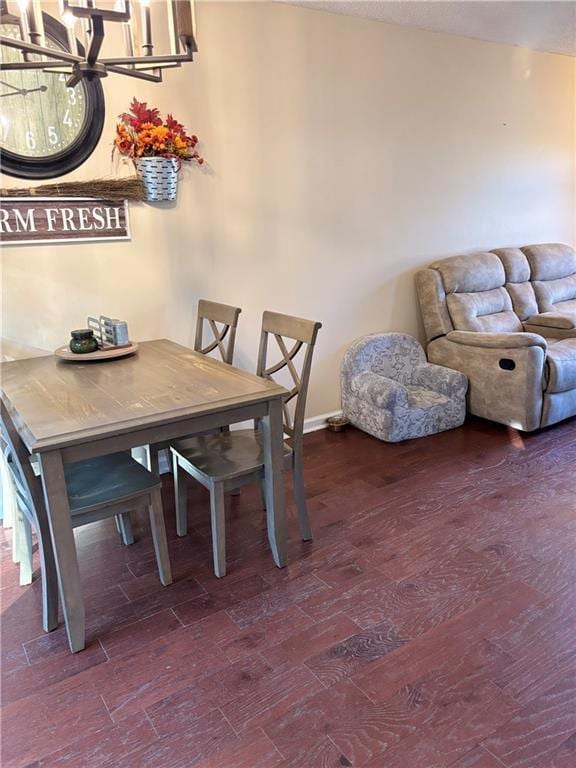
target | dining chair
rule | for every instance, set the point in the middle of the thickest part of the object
(216, 326)
(11, 514)
(98, 488)
(12, 519)
(29, 513)
(225, 462)
(208, 316)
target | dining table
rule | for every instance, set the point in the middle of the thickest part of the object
(70, 411)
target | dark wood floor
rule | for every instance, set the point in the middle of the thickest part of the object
(431, 623)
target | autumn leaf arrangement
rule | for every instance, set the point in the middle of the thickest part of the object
(141, 132)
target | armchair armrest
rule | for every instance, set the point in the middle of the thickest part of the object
(438, 378)
(379, 390)
(515, 340)
(565, 322)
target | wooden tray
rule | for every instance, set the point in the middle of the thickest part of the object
(64, 353)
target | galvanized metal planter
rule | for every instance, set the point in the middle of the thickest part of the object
(159, 177)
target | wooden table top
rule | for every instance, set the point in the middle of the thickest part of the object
(54, 403)
(12, 350)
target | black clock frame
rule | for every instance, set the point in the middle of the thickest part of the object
(83, 145)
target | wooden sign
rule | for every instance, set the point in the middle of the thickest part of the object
(62, 220)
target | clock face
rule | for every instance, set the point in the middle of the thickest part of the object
(46, 128)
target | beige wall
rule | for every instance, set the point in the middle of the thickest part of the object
(343, 154)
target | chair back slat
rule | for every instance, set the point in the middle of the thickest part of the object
(27, 485)
(303, 332)
(210, 313)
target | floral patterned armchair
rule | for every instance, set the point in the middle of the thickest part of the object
(390, 390)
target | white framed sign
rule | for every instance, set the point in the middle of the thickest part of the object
(28, 220)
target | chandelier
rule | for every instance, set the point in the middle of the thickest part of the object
(82, 59)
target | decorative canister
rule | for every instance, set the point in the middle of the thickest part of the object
(83, 341)
(159, 176)
(337, 423)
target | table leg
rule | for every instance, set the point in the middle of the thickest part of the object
(62, 536)
(273, 440)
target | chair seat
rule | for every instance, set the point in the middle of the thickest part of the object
(225, 455)
(105, 480)
(561, 360)
(422, 397)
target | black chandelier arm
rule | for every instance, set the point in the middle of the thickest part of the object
(151, 61)
(139, 74)
(47, 66)
(32, 48)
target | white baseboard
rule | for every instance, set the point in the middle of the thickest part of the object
(314, 423)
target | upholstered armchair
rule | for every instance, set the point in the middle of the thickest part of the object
(390, 391)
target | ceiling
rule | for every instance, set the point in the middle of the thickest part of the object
(545, 25)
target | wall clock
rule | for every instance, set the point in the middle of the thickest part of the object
(46, 128)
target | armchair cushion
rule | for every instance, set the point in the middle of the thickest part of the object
(421, 397)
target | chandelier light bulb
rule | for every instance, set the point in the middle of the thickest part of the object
(69, 19)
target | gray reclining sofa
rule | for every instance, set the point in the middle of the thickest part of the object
(507, 320)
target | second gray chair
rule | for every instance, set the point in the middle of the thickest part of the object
(226, 462)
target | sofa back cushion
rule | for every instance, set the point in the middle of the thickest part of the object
(518, 285)
(475, 294)
(432, 300)
(553, 273)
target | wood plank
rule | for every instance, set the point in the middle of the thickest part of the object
(538, 729)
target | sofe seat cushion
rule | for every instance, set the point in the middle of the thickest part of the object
(561, 365)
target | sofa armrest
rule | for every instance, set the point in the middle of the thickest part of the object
(506, 382)
(503, 341)
(438, 378)
(378, 390)
(565, 322)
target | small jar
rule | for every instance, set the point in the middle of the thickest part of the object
(83, 341)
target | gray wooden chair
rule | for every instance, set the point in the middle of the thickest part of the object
(98, 488)
(225, 462)
(208, 316)
(12, 517)
(209, 337)
(31, 514)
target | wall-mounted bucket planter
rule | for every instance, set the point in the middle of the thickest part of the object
(159, 177)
